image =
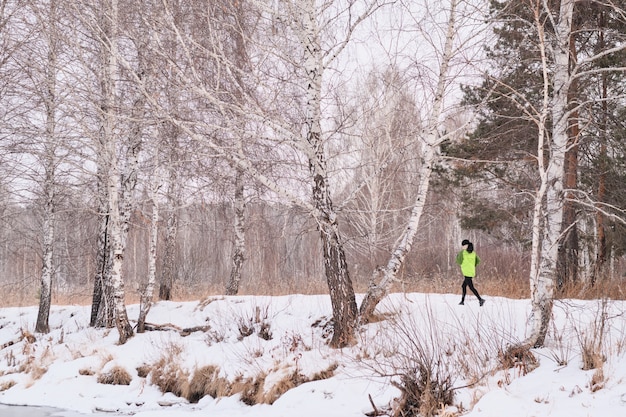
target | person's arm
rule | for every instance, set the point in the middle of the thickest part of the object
(477, 260)
(459, 258)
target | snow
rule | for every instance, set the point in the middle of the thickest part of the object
(61, 369)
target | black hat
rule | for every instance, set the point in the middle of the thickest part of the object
(465, 242)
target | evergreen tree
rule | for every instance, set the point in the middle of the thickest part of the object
(502, 150)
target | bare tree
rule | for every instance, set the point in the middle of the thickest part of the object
(49, 19)
(310, 53)
(148, 292)
(430, 138)
(109, 139)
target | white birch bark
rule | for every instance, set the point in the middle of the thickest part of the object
(541, 120)
(430, 143)
(47, 270)
(171, 228)
(109, 118)
(148, 292)
(339, 284)
(49, 161)
(241, 64)
(543, 283)
(239, 247)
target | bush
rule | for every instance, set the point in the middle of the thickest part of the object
(116, 376)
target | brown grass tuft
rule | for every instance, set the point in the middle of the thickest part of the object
(250, 389)
(143, 371)
(86, 372)
(169, 377)
(326, 373)
(519, 357)
(6, 385)
(207, 381)
(286, 383)
(592, 358)
(597, 380)
(116, 376)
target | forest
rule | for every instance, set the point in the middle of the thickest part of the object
(171, 149)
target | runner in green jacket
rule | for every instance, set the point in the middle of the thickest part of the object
(468, 260)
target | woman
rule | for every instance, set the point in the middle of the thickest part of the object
(468, 260)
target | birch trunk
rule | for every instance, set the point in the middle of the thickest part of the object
(148, 293)
(171, 232)
(116, 229)
(47, 270)
(242, 65)
(131, 169)
(49, 158)
(431, 142)
(232, 288)
(336, 269)
(102, 302)
(543, 284)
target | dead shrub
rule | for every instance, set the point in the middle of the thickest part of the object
(289, 381)
(519, 357)
(417, 353)
(169, 377)
(591, 341)
(116, 376)
(6, 385)
(326, 373)
(257, 322)
(86, 372)
(591, 358)
(424, 392)
(207, 381)
(597, 380)
(143, 371)
(250, 389)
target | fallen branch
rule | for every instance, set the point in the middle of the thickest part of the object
(168, 327)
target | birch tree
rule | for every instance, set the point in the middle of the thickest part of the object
(239, 28)
(147, 293)
(36, 144)
(307, 49)
(49, 19)
(109, 140)
(563, 74)
(430, 138)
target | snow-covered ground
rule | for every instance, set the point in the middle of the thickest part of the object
(461, 345)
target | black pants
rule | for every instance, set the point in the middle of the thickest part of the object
(468, 282)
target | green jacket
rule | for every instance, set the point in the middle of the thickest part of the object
(468, 262)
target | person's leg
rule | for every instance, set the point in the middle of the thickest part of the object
(464, 290)
(470, 284)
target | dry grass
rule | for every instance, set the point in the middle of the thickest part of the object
(597, 380)
(207, 381)
(143, 371)
(169, 377)
(287, 382)
(250, 389)
(326, 373)
(518, 357)
(6, 385)
(592, 339)
(508, 285)
(116, 376)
